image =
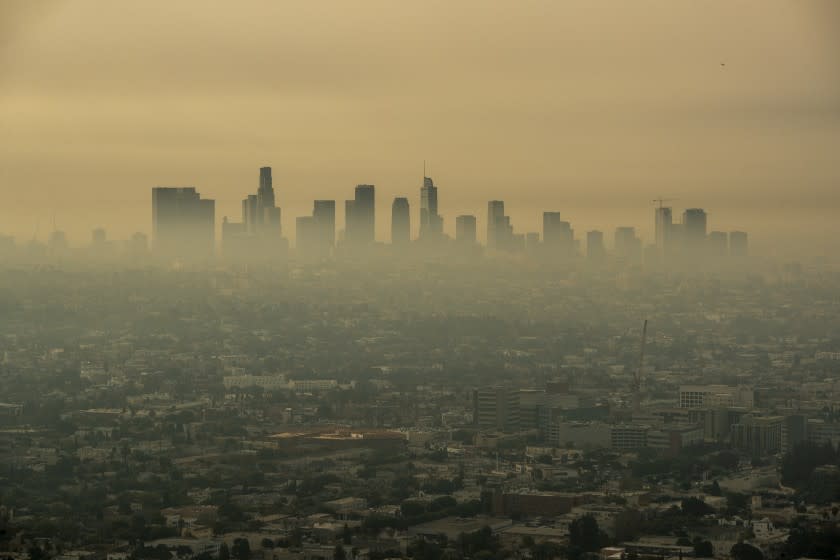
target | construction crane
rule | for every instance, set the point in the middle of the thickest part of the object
(637, 377)
(661, 201)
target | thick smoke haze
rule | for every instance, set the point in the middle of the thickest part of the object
(589, 108)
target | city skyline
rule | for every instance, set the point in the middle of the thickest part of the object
(181, 227)
(184, 222)
(319, 228)
(744, 125)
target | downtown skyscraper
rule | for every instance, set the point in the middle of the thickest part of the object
(431, 223)
(694, 230)
(499, 229)
(183, 223)
(400, 222)
(259, 234)
(262, 216)
(558, 236)
(360, 217)
(465, 229)
(663, 222)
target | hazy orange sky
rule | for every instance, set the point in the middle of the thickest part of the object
(588, 107)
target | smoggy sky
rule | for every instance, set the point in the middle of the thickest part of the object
(589, 107)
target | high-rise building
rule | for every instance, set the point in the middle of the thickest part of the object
(360, 217)
(496, 408)
(595, 244)
(183, 223)
(323, 212)
(465, 229)
(738, 244)
(552, 231)
(694, 229)
(315, 234)
(718, 243)
(265, 197)
(663, 220)
(249, 214)
(400, 222)
(558, 236)
(431, 224)
(628, 247)
(260, 216)
(499, 230)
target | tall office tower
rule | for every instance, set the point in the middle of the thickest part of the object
(265, 196)
(323, 212)
(431, 224)
(738, 244)
(595, 244)
(364, 216)
(558, 236)
(400, 222)
(306, 236)
(249, 213)
(718, 243)
(260, 215)
(628, 247)
(495, 224)
(694, 229)
(465, 229)
(663, 220)
(552, 230)
(183, 223)
(496, 408)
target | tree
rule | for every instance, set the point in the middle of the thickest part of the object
(241, 549)
(696, 507)
(442, 503)
(412, 509)
(527, 541)
(547, 551)
(800, 463)
(628, 525)
(736, 503)
(585, 534)
(703, 549)
(744, 551)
